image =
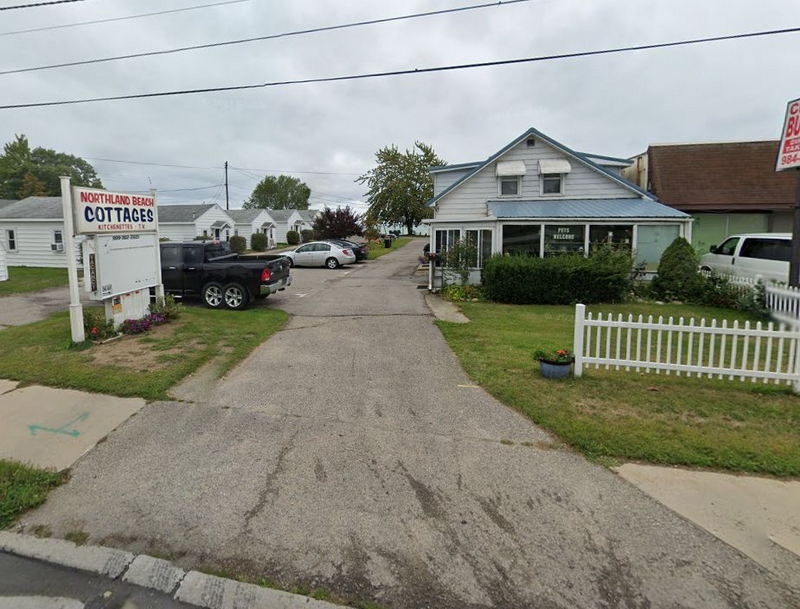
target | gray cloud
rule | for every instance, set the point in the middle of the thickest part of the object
(610, 104)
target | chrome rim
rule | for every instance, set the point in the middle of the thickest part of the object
(213, 296)
(332, 264)
(234, 297)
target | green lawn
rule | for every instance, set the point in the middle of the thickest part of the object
(376, 249)
(30, 279)
(22, 488)
(615, 415)
(144, 366)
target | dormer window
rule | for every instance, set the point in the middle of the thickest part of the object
(509, 178)
(552, 173)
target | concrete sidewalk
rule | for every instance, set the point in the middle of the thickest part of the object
(52, 428)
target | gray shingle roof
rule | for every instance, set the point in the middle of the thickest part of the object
(182, 213)
(33, 208)
(308, 214)
(244, 216)
(280, 215)
(584, 208)
(6, 202)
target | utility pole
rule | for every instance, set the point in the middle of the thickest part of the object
(227, 200)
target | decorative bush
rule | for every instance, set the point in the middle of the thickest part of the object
(457, 293)
(258, 242)
(678, 277)
(203, 238)
(238, 244)
(603, 277)
(95, 324)
(166, 308)
(307, 235)
(292, 237)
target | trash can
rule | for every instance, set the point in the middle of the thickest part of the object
(387, 243)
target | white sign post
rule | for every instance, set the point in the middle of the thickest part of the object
(75, 308)
(122, 258)
(3, 266)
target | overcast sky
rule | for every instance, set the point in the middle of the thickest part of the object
(613, 104)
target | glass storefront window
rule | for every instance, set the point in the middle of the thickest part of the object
(564, 239)
(618, 235)
(521, 239)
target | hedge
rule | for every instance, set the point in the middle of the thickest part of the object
(292, 237)
(563, 279)
(238, 244)
(258, 242)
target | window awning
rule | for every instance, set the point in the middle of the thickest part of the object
(510, 168)
(267, 225)
(220, 224)
(554, 166)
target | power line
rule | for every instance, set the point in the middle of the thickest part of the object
(483, 64)
(37, 4)
(322, 173)
(155, 164)
(110, 19)
(258, 38)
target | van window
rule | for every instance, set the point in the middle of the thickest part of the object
(767, 249)
(728, 247)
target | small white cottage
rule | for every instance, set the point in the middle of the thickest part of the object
(32, 232)
(185, 222)
(248, 222)
(537, 197)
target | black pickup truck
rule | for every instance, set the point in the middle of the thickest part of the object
(221, 277)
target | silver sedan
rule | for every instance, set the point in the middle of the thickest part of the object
(321, 253)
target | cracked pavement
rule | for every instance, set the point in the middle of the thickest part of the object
(351, 452)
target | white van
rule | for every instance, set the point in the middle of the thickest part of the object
(764, 255)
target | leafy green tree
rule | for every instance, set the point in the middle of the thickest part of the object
(25, 172)
(400, 184)
(281, 192)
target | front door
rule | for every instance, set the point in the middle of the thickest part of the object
(723, 260)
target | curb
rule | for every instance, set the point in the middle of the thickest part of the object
(193, 587)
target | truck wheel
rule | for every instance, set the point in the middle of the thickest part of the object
(236, 296)
(212, 295)
(332, 263)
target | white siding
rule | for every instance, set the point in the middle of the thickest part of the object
(33, 243)
(177, 232)
(469, 199)
(442, 180)
(283, 227)
(214, 214)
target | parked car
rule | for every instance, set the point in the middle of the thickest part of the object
(764, 255)
(321, 253)
(361, 250)
(221, 277)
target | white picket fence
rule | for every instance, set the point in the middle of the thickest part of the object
(783, 303)
(768, 353)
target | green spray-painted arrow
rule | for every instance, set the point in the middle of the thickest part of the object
(63, 429)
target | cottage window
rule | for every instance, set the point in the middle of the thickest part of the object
(552, 183)
(58, 237)
(481, 240)
(11, 240)
(510, 186)
(564, 239)
(446, 239)
(610, 234)
(522, 239)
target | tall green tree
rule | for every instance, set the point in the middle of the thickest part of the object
(400, 184)
(25, 171)
(281, 192)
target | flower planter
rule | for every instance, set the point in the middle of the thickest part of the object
(552, 370)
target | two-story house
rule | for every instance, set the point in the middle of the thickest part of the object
(537, 197)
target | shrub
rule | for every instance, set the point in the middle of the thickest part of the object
(458, 293)
(715, 291)
(258, 241)
(458, 260)
(678, 277)
(307, 235)
(754, 301)
(292, 237)
(166, 307)
(372, 233)
(238, 244)
(95, 324)
(203, 238)
(605, 276)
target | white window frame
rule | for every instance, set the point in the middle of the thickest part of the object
(479, 243)
(11, 236)
(58, 236)
(563, 178)
(500, 186)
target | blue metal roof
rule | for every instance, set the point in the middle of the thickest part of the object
(584, 208)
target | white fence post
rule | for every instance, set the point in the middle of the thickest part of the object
(577, 340)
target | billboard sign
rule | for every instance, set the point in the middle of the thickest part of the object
(789, 151)
(102, 212)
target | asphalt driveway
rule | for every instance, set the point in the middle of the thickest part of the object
(350, 452)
